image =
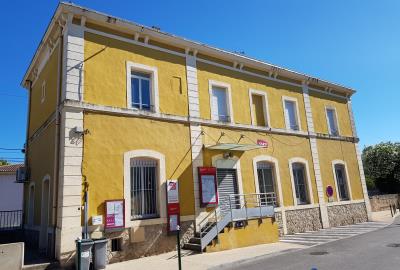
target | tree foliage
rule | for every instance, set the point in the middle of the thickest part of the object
(3, 162)
(382, 166)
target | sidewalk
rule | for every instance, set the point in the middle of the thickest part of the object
(195, 261)
(169, 261)
(383, 216)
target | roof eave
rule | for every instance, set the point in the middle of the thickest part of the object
(177, 41)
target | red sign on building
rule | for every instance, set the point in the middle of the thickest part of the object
(262, 143)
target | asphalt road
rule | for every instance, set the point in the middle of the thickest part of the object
(377, 250)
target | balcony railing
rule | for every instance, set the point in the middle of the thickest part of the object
(11, 220)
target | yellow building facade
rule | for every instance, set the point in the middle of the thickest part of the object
(118, 109)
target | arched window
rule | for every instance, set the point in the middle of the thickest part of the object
(31, 204)
(343, 189)
(144, 179)
(301, 182)
(144, 188)
(266, 180)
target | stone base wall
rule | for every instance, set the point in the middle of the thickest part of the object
(303, 220)
(155, 241)
(278, 220)
(383, 202)
(340, 215)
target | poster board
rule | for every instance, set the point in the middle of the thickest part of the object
(208, 186)
(173, 208)
(115, 214)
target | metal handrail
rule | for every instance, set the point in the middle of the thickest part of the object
(229, 203)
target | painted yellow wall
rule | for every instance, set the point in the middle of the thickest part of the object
(318, 103)
(105, 73)
(255, 233)
(40, 112)
(280, 147)
(330, 150)
(111, 136)
(41, 163)
(240, 85)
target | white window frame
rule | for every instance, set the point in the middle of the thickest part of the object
(341, 162)
(44, 213)
(336, 120)
(227, 87)
(43, 92)
(265, 106)
(161, 195)
(309, 187)
(287, 123)
(153, 72)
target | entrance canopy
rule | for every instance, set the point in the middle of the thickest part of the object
(234, 146)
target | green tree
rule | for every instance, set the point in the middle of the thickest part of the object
(3, 162)
(382, 166)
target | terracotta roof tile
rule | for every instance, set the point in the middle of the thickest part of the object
(10, 168)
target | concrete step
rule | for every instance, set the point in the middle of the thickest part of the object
(190, 246)
(195, 240)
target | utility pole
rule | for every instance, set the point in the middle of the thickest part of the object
(178, 241)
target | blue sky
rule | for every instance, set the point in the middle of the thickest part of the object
(354, 43)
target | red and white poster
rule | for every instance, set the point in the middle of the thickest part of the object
(115, 214)
(173, 209)
(208, 185)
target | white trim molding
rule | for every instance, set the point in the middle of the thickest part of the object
(31, 206)
(307, 171)
(341, 162)
(287, 123)
(43, 92)
(265, 108)
(44, 210)
(73, 61)
(153, 72)
(162, 203)
(363, 183)
(274, 161)
(329, 107)
(227, 88)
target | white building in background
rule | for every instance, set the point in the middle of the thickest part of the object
(11, 192)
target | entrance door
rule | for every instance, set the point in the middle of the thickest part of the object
(44, 220)
(227, 185)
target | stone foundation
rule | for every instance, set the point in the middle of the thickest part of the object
(278, 220)
(156, 241)
(347, 214)
(303, 220)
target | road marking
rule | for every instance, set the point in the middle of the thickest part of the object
(313, 238)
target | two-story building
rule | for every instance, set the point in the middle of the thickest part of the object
(117, 109)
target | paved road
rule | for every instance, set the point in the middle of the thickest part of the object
(379, 249)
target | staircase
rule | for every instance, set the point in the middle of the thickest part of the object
(232, 208)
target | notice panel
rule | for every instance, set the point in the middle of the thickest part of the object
(208, 185)
(115, 214)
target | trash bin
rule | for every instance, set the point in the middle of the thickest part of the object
(83, 254)
(100, 253)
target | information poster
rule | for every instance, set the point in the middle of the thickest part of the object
(115, 214)
(208, 185)
(173, 209)
(172, 191)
